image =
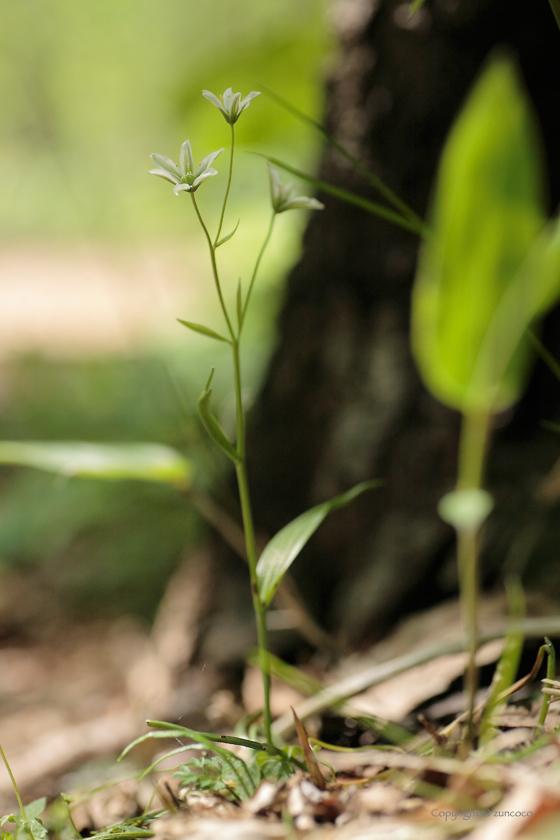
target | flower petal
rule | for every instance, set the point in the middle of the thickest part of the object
(162, 173)
(163, 162)
(187, 164)
(247, 101)
(208, 174)
(302, 202)
(207, 161)
(182, 188)
(276, 186)
(211, 97)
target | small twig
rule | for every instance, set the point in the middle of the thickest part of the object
(356, 683)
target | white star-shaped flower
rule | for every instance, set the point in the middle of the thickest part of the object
(230, 104)
(185, 177)
(284, 195)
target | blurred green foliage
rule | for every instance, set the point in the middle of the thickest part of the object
(89, 90)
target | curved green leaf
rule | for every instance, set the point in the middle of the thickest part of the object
(142, 461)
(225, 239)
(212, 426)
(486, 218)
(199, 328)
(285, 546)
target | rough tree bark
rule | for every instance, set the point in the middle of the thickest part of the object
(342, 400)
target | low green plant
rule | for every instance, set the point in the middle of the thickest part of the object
(489, 270)
(27, 825)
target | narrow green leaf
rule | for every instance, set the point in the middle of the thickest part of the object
(176, 731)
(199, 328)
(506, 669)
(212, 426)
(352, 198)
(550, 361)
(415, 6)
(141, 461)
(285, 546)
(555, 6)
(473, 298)
(550, 426)
(228, 237)
(178, 751)
(370, 176)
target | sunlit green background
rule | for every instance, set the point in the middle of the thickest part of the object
(88, 91)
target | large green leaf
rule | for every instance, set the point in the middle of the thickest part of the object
(142, 461)
(486, 216)
(504, 351)
(285, 546)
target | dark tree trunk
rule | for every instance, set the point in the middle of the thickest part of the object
(342, 400)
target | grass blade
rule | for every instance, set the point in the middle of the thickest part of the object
(352, 198)
(366, 173)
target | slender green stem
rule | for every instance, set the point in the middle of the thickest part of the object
(255, 270)
(227, 188)
(214, 267)
(14, 784)
(248, 527)
(551, 675)
(545, 354)
(472, 450)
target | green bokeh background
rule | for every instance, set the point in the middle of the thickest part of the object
(88, 91)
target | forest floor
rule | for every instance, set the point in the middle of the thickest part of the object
(72, 697)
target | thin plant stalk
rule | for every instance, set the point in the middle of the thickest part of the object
(214, 267)
(551, 675)
(240, 467)
(248, 527)
(14, 784)
(226, 196)
(255, 271)
(472, 451)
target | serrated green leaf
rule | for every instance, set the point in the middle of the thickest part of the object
(285, 546)
(487, 215)
(228, 237)
(212, 425)
(141, 461)
(199, 328)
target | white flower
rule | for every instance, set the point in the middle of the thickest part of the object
(284, 195)
(185, 176)
(230, 104)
